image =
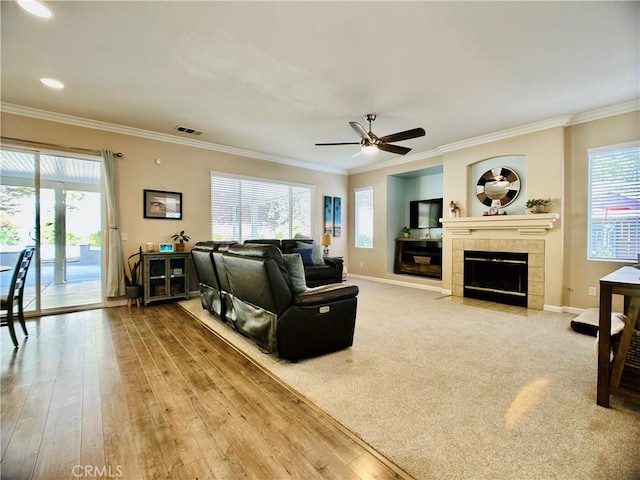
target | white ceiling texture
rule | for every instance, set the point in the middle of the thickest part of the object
(271, 79)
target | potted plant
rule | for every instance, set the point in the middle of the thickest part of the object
(180, 239)
(538, 205)
(134, 263)
(406, 231)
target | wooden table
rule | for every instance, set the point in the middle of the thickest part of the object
(624, 281)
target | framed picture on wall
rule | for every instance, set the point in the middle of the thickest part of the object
(337, 216)
(160, 204)
(328, 215)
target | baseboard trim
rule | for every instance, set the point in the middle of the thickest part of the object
(444, 291)
(420, 286)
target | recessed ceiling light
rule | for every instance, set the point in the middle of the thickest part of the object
(35, 8)
(52, 82)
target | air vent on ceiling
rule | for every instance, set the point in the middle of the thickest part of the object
(190, 131)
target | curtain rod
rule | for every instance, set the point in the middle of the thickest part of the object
(54, 145)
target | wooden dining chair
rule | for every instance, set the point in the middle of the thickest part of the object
(12, 301)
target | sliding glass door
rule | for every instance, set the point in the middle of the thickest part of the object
(55, 204)
(18, 222)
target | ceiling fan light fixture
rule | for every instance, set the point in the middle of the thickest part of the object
(369, 142)
(368, 149)
(35, 8)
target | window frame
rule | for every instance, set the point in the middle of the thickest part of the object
(357, 218)
(244, 180)
(621, 217)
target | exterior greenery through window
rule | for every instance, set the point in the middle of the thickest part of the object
(243, 208)
(364, 217)
(614, 202)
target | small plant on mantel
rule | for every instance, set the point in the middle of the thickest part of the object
(406, 231)
(180, 239)
(538, 205)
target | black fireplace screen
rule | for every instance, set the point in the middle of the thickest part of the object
(496, 276)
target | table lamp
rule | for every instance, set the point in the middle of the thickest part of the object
(325, 241)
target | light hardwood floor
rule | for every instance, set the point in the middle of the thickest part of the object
(151, 393)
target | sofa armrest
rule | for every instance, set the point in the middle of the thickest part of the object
(325, 294)
(333, 260)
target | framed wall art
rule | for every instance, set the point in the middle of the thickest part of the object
(160, 204)
(328, 215)
(337, 216)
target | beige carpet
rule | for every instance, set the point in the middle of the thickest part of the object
(447, 390)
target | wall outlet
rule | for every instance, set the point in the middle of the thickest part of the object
(592, 291)
(361, 264)
(124, 237)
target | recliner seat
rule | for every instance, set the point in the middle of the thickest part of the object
(330, 272)
(260, 304)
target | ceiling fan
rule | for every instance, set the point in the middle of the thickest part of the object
(370, 141)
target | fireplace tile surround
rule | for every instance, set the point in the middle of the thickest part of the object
(535, 273)
(517, 233)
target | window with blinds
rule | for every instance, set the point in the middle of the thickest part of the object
(244, 208)
(614, 203)
(364, 217)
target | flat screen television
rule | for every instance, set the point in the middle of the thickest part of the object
(425, 213)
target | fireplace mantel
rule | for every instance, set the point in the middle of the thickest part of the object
(532, 224)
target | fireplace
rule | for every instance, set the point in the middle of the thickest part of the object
(533, 235)
(496, 276)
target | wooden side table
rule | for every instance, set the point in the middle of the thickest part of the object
(624, 281)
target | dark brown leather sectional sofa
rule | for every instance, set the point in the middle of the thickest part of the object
(247, 286)
(321, 274)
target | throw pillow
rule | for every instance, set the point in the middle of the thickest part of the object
(316, 252)
(306, 254)
(293, 262)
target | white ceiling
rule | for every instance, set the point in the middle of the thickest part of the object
(277, 77)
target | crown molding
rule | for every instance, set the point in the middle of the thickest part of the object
(471, 142)
(562, 121)
(162, 137)
(610, 111)
(397, 161)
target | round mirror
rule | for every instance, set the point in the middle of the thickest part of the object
(498, 187)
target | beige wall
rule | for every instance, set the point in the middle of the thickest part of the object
(556, 168)
(544, 151)
(183, 169)
(374, 262)
(579, 272)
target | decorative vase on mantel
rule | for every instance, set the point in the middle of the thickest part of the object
(539, 209)
(538, 205)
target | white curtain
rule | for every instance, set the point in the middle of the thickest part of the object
(115, 265)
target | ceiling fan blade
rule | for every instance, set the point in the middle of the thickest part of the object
(338, 143)
(406, 135)
(362, 133)
(393, 148)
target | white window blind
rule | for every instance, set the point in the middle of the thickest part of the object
(614, 202)
(243, 208)
(364, 217)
